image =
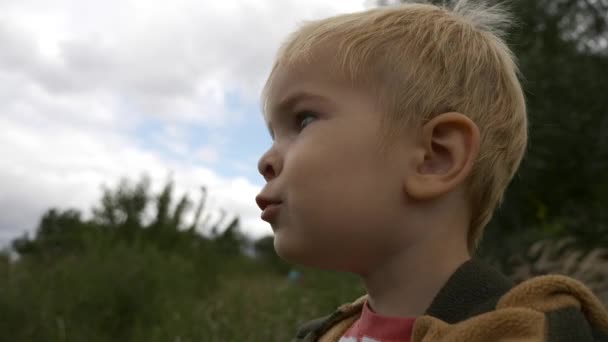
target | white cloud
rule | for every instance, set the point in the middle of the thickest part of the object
(174, 59)
(72, 174)
(208, 154)
(78, 77)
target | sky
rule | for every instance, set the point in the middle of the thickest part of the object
(95, 91)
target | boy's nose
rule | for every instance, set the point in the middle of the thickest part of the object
(268, 165)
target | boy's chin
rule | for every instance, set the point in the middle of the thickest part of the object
(291, 251)
(307, 254)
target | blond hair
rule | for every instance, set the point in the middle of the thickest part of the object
(423, 60)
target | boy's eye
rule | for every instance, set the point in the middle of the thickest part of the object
(303, 118)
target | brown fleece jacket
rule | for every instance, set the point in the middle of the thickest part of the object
(478, 304)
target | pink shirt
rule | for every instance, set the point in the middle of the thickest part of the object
(372, 327)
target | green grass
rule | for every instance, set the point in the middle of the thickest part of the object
(138, 293)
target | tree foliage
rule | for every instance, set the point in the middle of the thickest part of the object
(121, 215)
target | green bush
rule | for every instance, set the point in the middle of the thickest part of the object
(138, 293)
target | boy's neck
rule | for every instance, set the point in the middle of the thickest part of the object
(407, 282)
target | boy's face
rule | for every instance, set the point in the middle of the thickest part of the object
(342, 202)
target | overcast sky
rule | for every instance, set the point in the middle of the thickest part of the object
(92, 91)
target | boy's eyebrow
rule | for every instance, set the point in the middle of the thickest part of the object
(288, 103)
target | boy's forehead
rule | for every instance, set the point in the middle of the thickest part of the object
(316, 61)
(285, 81)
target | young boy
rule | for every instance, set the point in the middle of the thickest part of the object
(395, 133)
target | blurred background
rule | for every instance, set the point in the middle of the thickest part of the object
(129, 136)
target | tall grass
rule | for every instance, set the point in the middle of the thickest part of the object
(140, 293)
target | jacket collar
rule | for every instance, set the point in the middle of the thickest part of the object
(473, 288)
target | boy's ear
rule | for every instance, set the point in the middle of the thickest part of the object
(446, 150)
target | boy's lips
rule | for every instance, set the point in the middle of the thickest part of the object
(270, 212)
(270, 207)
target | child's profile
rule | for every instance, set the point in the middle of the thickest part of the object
(395, 134)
